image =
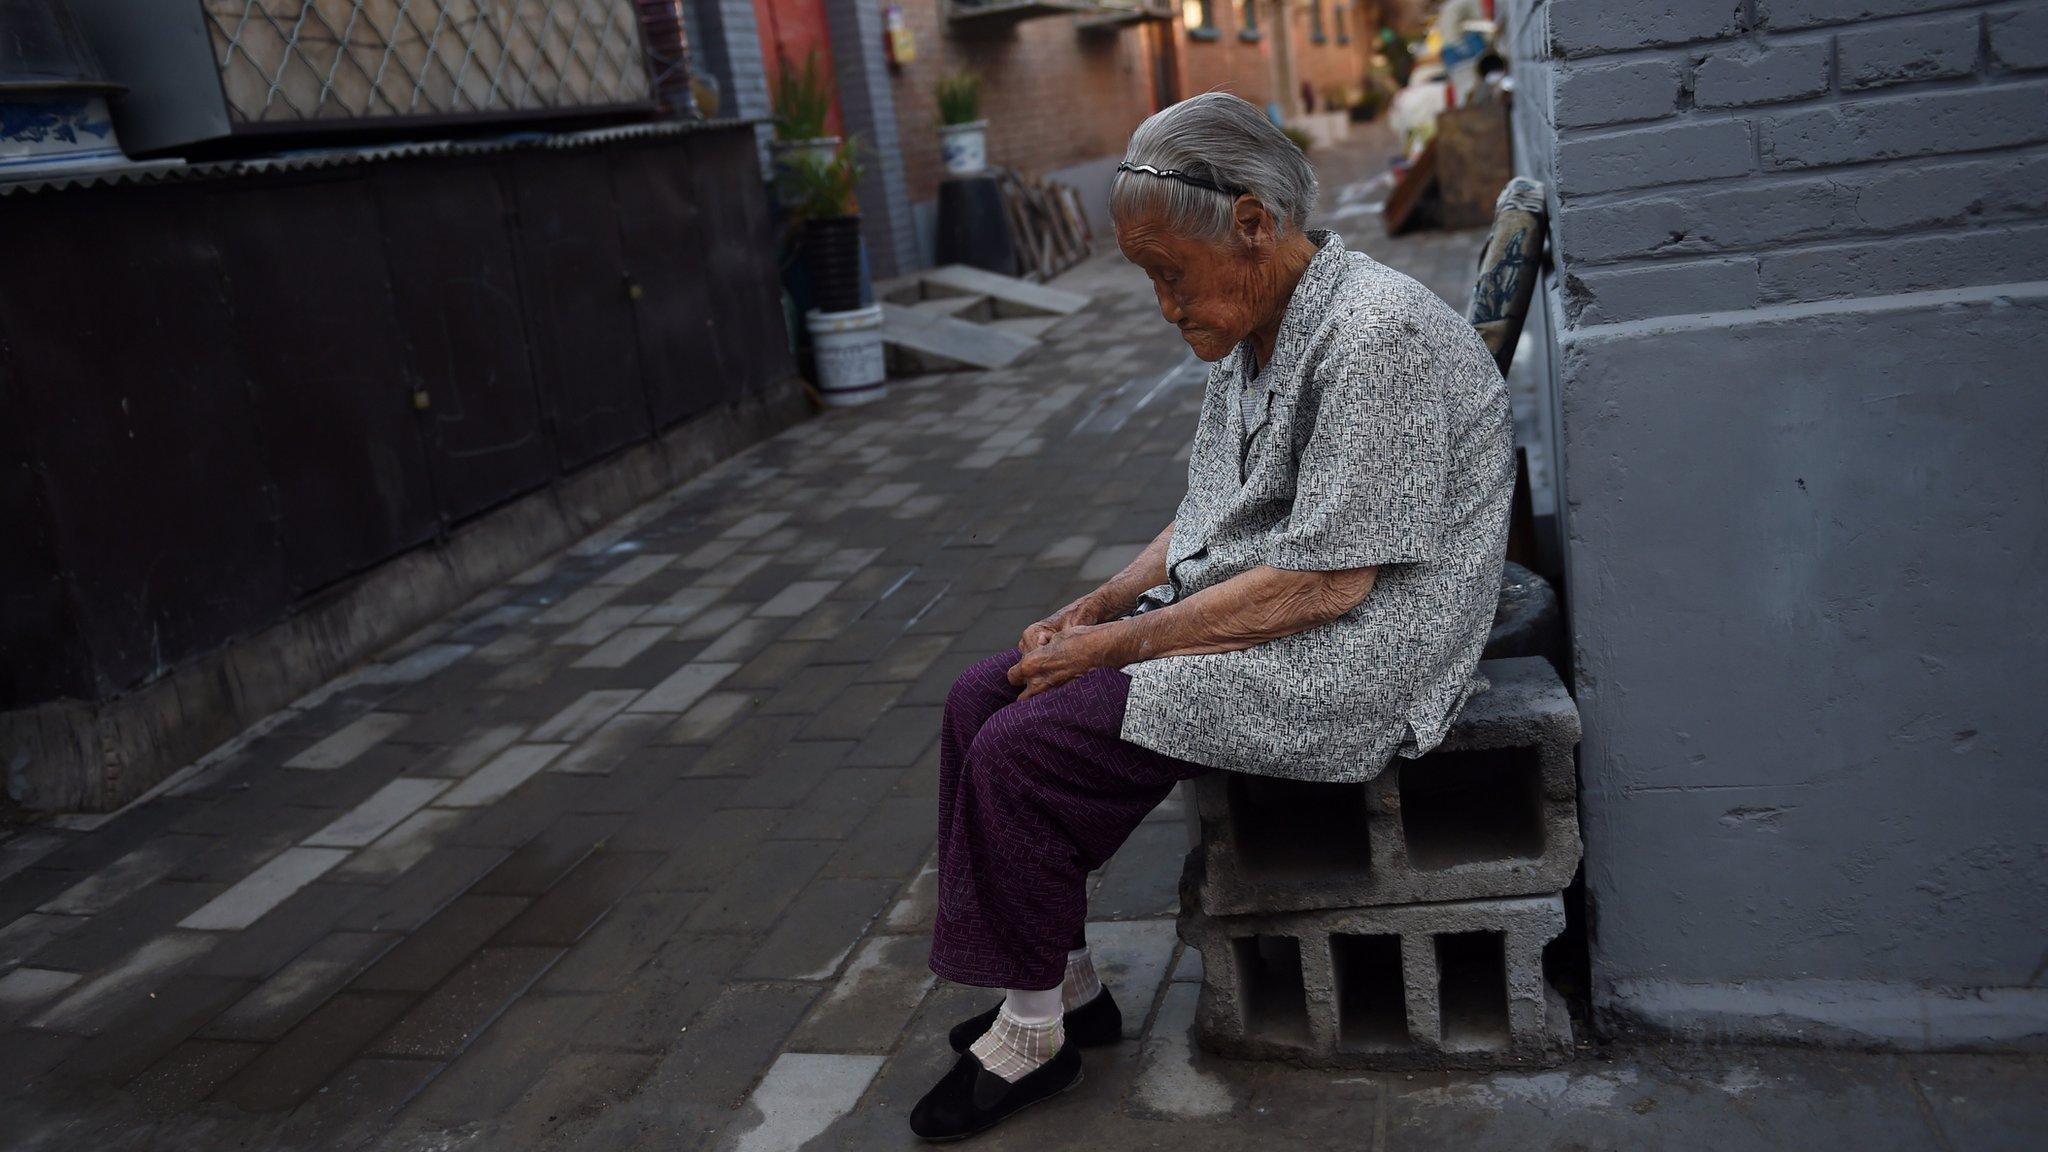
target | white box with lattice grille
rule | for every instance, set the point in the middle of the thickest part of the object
(200, 70)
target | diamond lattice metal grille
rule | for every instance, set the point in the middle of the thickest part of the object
(292, 60)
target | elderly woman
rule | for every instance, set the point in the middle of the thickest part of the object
(1315, 608)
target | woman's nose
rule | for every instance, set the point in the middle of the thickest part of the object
(1168, 306)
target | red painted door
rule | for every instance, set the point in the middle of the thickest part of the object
(791, 30)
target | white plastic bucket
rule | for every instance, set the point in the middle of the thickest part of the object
(965, 148)
(848, 349)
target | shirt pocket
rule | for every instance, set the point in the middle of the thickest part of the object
(1269, 458)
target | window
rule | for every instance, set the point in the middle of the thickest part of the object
(1343, 30)
(1200, 20)
(1248, 20)
(1315, 22)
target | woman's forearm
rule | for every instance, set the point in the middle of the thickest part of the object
(1120, 592)
(1251, 608)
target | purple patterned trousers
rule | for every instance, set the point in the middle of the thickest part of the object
(1033, 796)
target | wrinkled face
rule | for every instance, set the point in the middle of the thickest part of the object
(1212, 291)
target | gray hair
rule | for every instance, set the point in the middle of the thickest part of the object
(1221, 139)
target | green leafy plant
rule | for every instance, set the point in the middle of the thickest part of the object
(801, 101)
(1300, 138)
(959, 96)
(822, 188)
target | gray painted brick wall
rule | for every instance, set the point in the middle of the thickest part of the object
(725, 45)
(1794, 326)
(1636, 98)
(1900, 53)
(1745, 74)
(1615, 93)
(2019, 38)
(867, 106)
(1585, 27)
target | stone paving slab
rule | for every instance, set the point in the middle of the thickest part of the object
(634, 851)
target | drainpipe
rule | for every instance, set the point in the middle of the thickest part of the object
(1288, 94)
(867, 108)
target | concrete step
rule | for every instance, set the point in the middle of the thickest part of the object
(1492, 811)
(1011, 296)
(1457, 985)
(961, 307)
(1031, 326)
(921, 341)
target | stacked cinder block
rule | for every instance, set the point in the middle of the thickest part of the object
(1400, 921)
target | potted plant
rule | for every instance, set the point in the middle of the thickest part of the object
(963, 134)
(846, 338)
(802, 104)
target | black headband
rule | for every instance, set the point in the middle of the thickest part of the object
(1177, 174)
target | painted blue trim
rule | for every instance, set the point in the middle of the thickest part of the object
(58, 159)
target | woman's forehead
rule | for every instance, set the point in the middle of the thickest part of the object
(1149, 237)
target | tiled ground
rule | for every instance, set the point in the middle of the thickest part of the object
(632, 852)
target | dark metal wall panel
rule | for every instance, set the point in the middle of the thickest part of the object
(326, 381)
(663, 229)
(119, 360)
(573, 278)
(37, 628)
(740, 264)
(455, 283)
(206, 387)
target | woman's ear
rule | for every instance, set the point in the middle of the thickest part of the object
(1254, 223)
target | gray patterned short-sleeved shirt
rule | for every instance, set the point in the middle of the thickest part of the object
(1383, 439)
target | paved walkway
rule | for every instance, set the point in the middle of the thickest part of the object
(633, 851)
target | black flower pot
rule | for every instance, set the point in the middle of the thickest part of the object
(832, 256)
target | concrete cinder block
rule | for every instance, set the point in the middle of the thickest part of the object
(1745, 74)
(1492, 812)
(1456, 985)
(1915, 50)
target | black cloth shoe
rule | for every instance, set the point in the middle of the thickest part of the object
(1092, 1025)
(972, 1099)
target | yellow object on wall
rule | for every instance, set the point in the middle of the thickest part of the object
(901, 41)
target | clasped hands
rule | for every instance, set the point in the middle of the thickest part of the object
(1064, 645)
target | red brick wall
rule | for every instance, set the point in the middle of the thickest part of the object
(1228, 63)
(1330, 64)
(1055, 95)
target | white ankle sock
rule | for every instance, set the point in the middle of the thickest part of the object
(1013, 1048)
(1081, 984)
(1032, 1007)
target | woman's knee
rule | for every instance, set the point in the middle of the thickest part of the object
(998, 748)
(985, 687)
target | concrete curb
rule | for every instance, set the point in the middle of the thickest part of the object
(96, 756)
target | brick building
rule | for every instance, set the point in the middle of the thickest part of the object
(1062, 93)
(1063, 83)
